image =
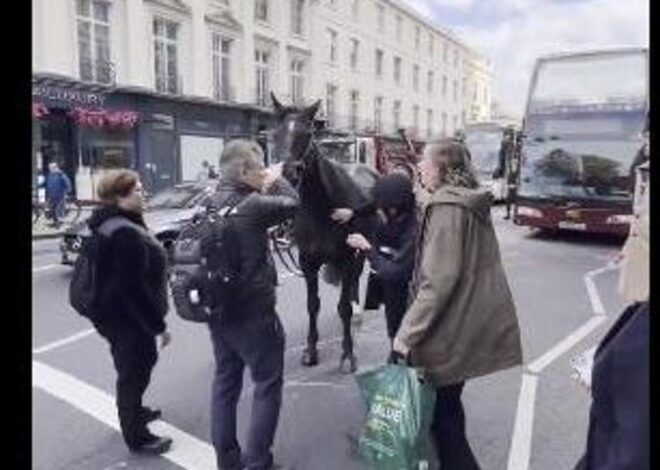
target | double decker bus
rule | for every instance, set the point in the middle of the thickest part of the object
(581, 132)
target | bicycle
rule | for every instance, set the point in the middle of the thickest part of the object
(70, 214)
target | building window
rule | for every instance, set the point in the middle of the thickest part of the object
(353, 109)
(463, 119)
(429, 123)
(355, 45)
(378, 113)
(331, 104)
(262, 62)
(396, 112)
(297, 15)
(429, 81)
(464, 86)
(416, 78)
(418, 34)
(485, 95)
(261, 10)
(431, 44)
(94, 41)
(332, 39)
(381, 17)
(166, 65)
(455, 121)
(444, 85)
(379, 63)
(399, 27)
(445, 53)
(297, 80)
(444, 124)
(222, 68)
(397, 70)
(474, 93)
(455, 58)
(416, 118)
(455, 90)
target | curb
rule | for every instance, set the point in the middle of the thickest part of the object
(46, 236)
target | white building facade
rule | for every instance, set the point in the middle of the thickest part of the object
(376, 64)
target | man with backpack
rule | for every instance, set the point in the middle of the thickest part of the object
(245, 329)
(58, 186)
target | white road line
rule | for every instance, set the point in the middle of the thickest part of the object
(45, 268)
(566, 344)
(187, 451)
(594, 297)
(63, 342)
(521, 442)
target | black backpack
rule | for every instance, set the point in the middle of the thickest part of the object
(205, 268)
(84, 281)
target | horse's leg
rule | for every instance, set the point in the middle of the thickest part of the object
(349, 281)
(310, 356)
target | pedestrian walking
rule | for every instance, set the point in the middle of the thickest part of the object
(618, 435)
(391, 252)
(461, 322)
(58, 186)
(131, 303)
(248, 331)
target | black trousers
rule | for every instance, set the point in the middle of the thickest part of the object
(134, 354)
(448, 430)
(257, 343)
(395, 296)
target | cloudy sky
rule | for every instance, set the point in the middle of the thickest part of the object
(512, 33)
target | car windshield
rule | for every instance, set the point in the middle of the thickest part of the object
(484, 147)
(172, 198)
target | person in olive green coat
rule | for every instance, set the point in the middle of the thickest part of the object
(461, 322)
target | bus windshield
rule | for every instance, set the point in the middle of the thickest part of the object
(484, 147)
(604, 78)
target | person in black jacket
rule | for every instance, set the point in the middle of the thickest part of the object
(131, 303)
(248, 331)
(391, 253)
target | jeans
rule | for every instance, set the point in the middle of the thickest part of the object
(257, 343)
(134, 354)
(448, 430)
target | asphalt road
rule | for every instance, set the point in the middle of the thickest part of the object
(540, 425)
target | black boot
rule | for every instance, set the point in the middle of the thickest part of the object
(149, 415)
(152, 445)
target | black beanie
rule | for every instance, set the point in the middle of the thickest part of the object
(394, 190)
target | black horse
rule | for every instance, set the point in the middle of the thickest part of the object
(323, 185)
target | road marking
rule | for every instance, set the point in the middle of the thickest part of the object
(594, 297)
(521, 442)
(187, 451)
(45, 268)
(64, 341)
(566, 344)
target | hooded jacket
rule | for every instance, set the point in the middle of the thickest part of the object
(461, 322)
(132, 276)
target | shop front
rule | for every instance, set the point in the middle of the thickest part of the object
(86, 130)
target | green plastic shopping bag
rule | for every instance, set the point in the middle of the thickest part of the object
(399, 414)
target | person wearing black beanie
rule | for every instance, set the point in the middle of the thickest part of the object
(391, 252)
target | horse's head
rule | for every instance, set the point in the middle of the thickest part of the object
(292, 136)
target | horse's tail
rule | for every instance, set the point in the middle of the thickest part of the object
(331, 273)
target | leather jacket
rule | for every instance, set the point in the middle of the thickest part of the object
(254, 214)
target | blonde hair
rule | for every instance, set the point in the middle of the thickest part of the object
(452, 160)
(238, 155)
(115, 184)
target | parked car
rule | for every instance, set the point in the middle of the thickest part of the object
(166, 213)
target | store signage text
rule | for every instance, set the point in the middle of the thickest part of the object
(70, 96)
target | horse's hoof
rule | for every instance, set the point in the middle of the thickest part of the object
(352, 364)
(309, 358)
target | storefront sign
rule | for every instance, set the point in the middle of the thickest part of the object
(103, 118)
(67, 96)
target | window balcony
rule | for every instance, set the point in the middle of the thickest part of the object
(169, 84)
(224, 93)
(97, 71)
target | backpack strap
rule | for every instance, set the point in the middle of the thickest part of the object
(109, 226)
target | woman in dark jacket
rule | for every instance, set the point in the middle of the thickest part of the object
(132, 301)
(391, 252)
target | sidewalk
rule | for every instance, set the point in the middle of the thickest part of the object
(42, 229)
